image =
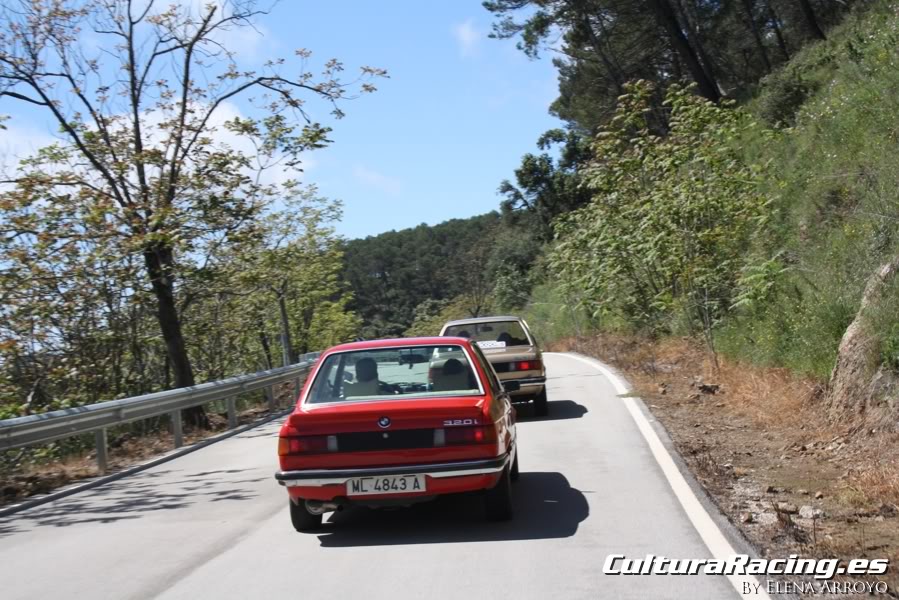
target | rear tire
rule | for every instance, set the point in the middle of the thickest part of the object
(541, 404)
(498, 500)
(302, 519)
(514, 474)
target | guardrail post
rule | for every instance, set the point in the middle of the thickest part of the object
(232, 412)
(177, 431)
(270, 396)
(100, 437)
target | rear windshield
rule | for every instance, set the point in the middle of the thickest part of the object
(491, 335)
(388, 373)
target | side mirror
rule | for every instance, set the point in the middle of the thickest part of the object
(511, 386)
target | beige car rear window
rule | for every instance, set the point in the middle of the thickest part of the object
(510, 332)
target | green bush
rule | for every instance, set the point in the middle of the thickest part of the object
(552, 315)
(881, 322)
(782, 95)
(663, 239)
(889, 348)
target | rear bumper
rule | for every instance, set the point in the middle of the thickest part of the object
(326, 477)
(528, 385)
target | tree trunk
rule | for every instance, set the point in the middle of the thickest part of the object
(266, 347)
(158, 260)
(285, 327)
(667, 20)
(696, 39)
(614, 72)
(676, 64)
(167, 373)
(861, 387)
(811, 20)
(778, 32)
(756, 34)
(308, 316)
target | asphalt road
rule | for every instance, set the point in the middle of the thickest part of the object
(214, 523)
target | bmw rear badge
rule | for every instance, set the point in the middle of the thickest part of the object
(384, 422)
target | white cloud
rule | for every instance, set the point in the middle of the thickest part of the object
(379, 181)
(18, 142)
(468, 37)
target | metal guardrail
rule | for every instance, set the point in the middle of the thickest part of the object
(59, 424)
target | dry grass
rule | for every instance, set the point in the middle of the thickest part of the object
(877, 483)
(771, 397)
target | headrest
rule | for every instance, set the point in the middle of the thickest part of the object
(366, 369)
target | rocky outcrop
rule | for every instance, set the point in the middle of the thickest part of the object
(860, 386)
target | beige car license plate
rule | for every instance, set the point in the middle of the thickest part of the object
(385, 484)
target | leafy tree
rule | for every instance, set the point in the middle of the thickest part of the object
(547, 187)
(670, 216)
(473, 274)
(294, 269)
(427, 318)
(599, 45)
(430, 315)
(79, 326)
(391, 274)
(139, 171)
(511, 290)
(595, 23)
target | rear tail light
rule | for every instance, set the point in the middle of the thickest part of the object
(527, 365)
(308, 444)
(520, 365)
(458, 436)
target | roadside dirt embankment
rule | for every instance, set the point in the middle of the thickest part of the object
(762, 443)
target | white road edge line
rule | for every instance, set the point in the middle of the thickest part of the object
(714, 539)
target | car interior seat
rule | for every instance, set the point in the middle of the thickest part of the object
(366, 383)
(453, 376)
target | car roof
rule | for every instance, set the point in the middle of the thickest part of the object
(482, 320)
(400, 342)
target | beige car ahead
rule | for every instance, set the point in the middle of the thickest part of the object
(509, 346)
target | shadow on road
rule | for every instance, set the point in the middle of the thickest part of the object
(269, 430)
(7, 528)
(132, 498)
(558, 410)
(546, 506)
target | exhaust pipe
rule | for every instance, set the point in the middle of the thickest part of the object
(319, 507)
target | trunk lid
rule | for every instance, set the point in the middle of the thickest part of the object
(510, 353)
(387, 415)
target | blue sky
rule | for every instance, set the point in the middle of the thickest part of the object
(441, 133)
(449, 125)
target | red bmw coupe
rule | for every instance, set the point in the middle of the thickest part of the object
(395, 422)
